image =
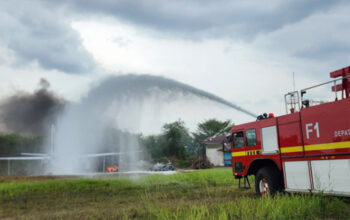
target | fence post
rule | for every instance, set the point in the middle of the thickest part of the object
(8, 167)
(104, 164)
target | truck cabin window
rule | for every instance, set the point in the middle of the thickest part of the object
(250, 137)
(238, 139)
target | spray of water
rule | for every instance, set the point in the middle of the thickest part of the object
(141, 85)
(97, 124)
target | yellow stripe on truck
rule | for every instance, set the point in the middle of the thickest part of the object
(328, 146)
(291, 149)
(238, 154)
(295, 149)
(245, 153)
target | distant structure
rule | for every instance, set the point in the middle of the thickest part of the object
(218, 150)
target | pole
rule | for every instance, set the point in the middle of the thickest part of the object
(104, 164)
(293, 82)
(335, 90)
(8, 167)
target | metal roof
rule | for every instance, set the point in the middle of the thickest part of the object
(215, 140)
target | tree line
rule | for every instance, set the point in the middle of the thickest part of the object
(174, 142)
(178, 143)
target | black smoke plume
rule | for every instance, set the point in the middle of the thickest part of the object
(30, 113)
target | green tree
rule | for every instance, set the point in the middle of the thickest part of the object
(155, 145)
(177, 138)
(210, 128)
(15, 144)
(213, 126)
(172, 142)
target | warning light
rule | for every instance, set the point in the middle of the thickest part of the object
(271, 115)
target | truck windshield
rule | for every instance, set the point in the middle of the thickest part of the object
(238, 139)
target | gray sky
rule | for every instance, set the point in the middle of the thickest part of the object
(243, 51)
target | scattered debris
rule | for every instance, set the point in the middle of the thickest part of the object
(202, 163)
(163, 167)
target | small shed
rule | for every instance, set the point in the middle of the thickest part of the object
(218, 150)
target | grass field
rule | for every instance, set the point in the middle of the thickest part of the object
(205, 194)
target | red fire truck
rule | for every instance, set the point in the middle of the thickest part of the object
(306, 150)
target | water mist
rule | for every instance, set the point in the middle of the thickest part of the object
(101, 121)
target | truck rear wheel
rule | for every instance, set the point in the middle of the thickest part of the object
(267, 181)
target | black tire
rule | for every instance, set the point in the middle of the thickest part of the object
(268, 181)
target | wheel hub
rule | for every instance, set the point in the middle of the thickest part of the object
(263, 186)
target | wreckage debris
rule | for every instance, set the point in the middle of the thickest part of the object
(202, 163)
(163, 167)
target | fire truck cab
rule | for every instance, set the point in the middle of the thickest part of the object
(306, 150)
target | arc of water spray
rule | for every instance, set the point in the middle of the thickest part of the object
(141, 83)
(210, 96)
(81, 129)
(223, 101)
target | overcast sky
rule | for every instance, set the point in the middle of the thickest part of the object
(243, 51)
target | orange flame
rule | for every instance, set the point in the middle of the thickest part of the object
(112, 168)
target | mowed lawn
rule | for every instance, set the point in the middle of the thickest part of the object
(204, 194)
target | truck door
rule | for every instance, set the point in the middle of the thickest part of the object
(238, 153)
(290, 136)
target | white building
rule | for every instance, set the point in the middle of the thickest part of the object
(214, 149)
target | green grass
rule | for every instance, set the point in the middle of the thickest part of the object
(205, 194)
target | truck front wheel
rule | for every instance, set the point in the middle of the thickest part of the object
(267, 181)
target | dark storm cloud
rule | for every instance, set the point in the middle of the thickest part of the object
(41, 30)
(204, 18)
(238, 20)
(37, 32)
(322, 37)
(335, 49)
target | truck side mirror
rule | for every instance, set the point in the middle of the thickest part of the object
(229, 138)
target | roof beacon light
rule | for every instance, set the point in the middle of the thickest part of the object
(271, 115)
